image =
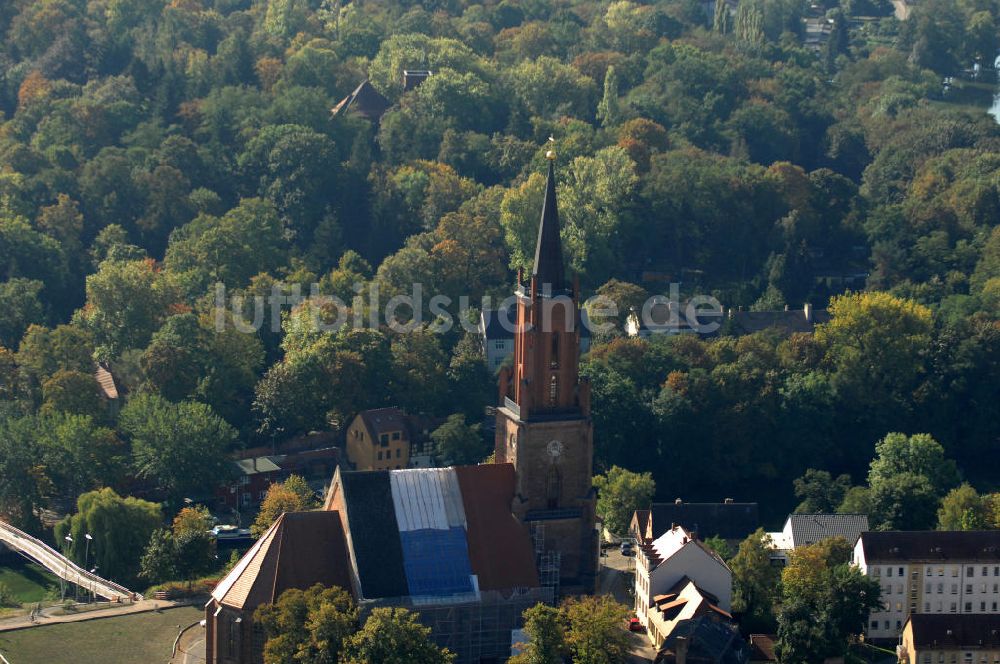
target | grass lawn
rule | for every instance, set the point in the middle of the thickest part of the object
(28, 582)
(141, 638)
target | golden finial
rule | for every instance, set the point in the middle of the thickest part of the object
(551, 154)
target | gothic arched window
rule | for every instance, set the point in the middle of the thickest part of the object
(553, 390)
(553, 487)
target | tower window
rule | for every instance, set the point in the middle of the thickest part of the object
(553, 390)
(554, 359)
(553, 488)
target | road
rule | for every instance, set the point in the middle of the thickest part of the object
(616, 579)
(52, 560)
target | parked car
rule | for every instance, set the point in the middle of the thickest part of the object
(634, 625)
(626, 548)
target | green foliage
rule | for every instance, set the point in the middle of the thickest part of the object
(292, 495)
(546, 645)
(755, 580)
(963, 509)
(457, 443)
(182, 447)
(393, 636)
(824, 602)
(621, 492)
(720, 546)
(820, 493)
(594, 632)
(307, 626)
(121, 529)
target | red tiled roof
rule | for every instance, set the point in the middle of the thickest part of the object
(499, 545)
(300, 550)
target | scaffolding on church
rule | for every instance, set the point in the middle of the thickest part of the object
(474, 626)
(549, 562)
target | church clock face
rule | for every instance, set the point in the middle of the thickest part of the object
(554, 448)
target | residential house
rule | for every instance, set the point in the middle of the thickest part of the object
(662, 569)
(729, 520)
(938, 572)
(806, 529)
(784, 322)
(248, 487)
(365, 101)
(659, 318)
(950, 639)
(762, 648)
(379, 439)
(707, 639)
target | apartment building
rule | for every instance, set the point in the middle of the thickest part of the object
(948, 639)
(929, 572)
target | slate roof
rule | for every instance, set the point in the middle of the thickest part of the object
(710, 640)
(365, 101)
(726, 520)
(931, 545)
(382, 420)
(787, 322)
(957, 631)
(377, 549)
(812, 528)
(299, 550)
(548, 267)
(398, 519)
(256, 466)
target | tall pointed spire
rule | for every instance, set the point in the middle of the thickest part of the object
(548, 252)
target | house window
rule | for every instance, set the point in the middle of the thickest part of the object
(384, 440)
(398, 452)
(982, 606)
(986, 571)
(996, 571)
(940, 571)
(968, 607)
(899, 625)
(954, 571)
(996, 587)
(875, 624)
(940, 588)
(888, 571)
(878, 572)
(927, 607)
(954, 607)
(927, 658)
(885, 625)
(970, 571)
(968, 588)
(928, 571)
(395, 435)
(954, 589)
(927, 588)
(994, 607)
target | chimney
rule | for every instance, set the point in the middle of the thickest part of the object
(414, 77)
(807, 310)
(786, 307)
(694, 535)
(681, 647)
(728, 501)
(678, 501)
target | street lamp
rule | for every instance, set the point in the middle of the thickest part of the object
(86, 550)
(68, 539)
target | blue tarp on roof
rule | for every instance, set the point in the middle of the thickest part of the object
(436, 562)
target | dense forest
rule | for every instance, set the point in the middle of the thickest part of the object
(150, 150)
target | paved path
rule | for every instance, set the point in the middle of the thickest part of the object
(55, 562)
(24, 622)
(614, 580)
(191, 648)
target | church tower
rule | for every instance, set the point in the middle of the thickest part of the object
(543, 419)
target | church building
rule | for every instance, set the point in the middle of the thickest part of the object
(468, 548)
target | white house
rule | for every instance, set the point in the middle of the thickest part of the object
(496, 334)
(930, 571)
(663, 564)
(806, 529)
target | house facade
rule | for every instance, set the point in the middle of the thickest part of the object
(950, 639)
(664, 565)
(929, 572)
